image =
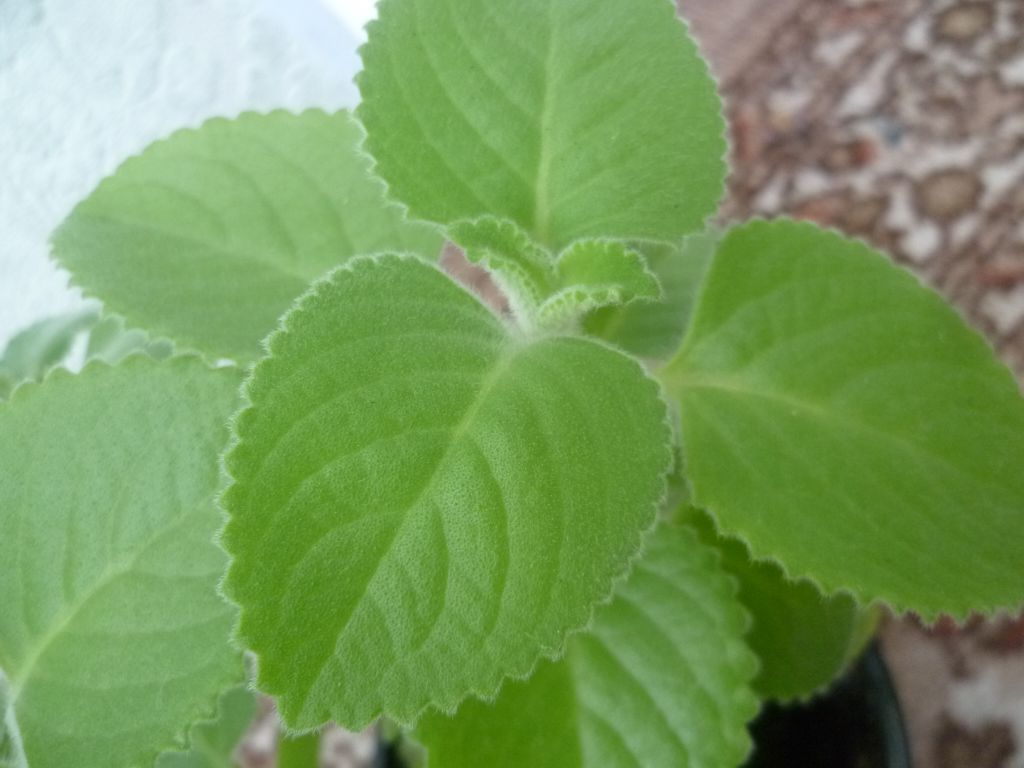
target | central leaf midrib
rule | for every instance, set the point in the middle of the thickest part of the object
(502, 364)
(60, 624)
(545, 154)
(819, 411)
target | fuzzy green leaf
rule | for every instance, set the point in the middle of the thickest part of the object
(578, 118)
(654, 329)
(212, 742)
(803, 638)
(842, 419)
(425, 501)
(112, 634)
(661, 679)
(208, 236)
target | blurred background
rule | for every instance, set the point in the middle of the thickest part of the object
(901, 121)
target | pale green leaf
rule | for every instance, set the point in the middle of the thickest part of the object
(577, 118)
(416, 484)
(212, 743)
(111, 341)
(803, 638)
(654, 329)
(522, 269)
(208, 236)
(112, 634)
(597, 273)
(842, 419)
(661, 679)
(43, 345)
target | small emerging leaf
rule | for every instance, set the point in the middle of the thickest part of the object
(424, 500)
(575, 119)
(522, 269)
(842, 419)
(112, 635)
(208, 236)
(661, 679)
(597, 273)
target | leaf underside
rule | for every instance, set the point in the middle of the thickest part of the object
(661, 679)
(415, 483)
(580, 118)
(112, 634)
(842, 419)
(208, 236)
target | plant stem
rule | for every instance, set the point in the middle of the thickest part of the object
(298, 751)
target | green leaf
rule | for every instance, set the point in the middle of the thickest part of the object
(597, 273)
(654, 329)
(111, 342)
(416, 484)
(112, 634)
(208, 236)
(579, 118)
(212, 742)
(842, 419)
(661, 679)
(41, 346)
(522, 269)
(803, 638)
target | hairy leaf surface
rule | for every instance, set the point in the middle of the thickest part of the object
(425, 501)
(842, 419)
(207, 237)
(578, 118)
(212, 742)
(112, 635)
(661, 679)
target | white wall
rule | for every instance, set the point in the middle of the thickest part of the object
(85, 84)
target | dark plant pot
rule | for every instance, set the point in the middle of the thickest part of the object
(857, 724)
